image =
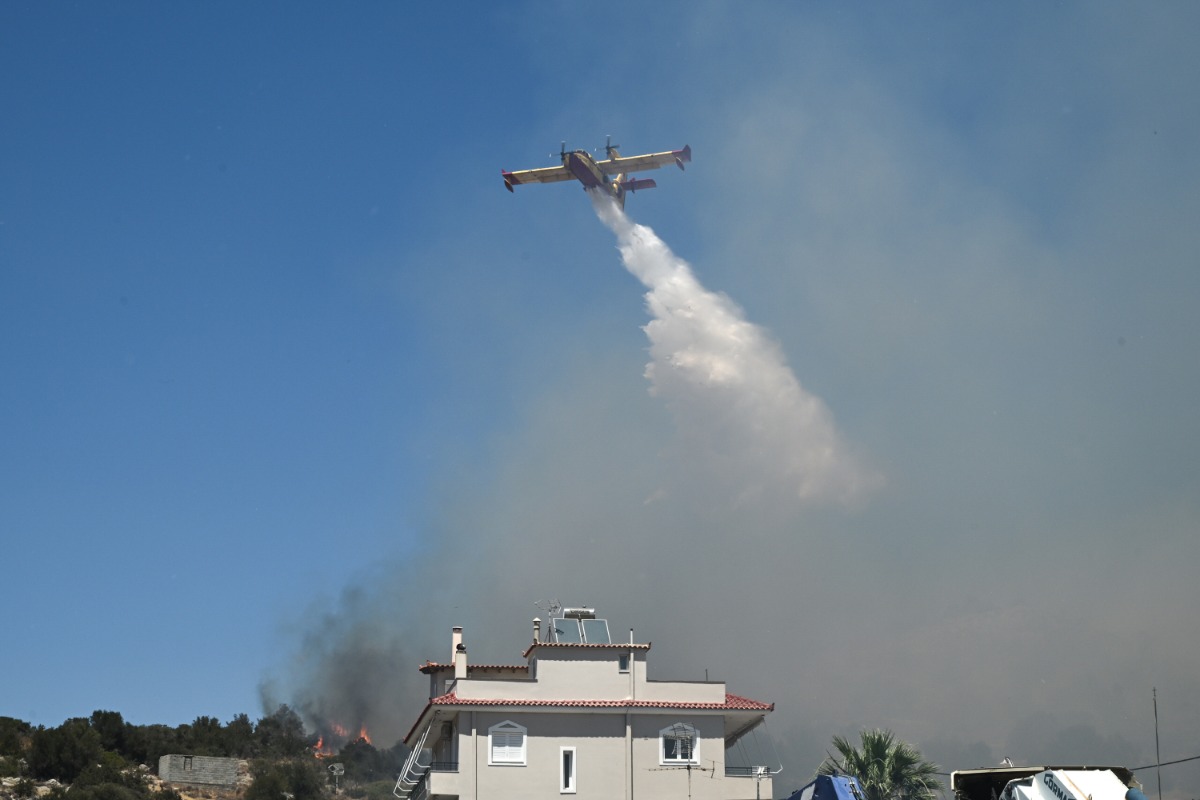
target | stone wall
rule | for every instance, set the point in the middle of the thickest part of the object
(198, 770)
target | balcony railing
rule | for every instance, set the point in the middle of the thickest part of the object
(443, 766)
(746, 772)
(421, 790)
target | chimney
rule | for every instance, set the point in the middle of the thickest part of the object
(460, 655)
(537, 630)
(455, 641)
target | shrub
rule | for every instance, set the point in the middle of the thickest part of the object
(377, 790)
(65, 751)
(104, 791)
(301, 779)
(13, 734)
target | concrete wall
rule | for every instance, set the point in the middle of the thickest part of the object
(607, 762)
(565, 674)
(198, 770)
(594, 675)
(682, 692)
(599, 740)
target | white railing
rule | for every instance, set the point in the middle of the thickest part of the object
(414, 770)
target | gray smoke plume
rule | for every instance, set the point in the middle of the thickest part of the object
(748, 438)
(351, 671)
(740, 411)
(943, 609)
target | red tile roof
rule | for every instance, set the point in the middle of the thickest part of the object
(433, 666)
(588, 645)
(732, 702)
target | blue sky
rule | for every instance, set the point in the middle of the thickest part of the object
(286, 370)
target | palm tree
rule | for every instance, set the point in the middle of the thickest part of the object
(886, 768)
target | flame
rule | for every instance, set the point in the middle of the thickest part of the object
(320, 750)
(329, 743)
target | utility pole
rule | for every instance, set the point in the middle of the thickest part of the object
(1157, 757)
(338, 770)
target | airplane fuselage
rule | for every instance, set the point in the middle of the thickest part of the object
(583, 167)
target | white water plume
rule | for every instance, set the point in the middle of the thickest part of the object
(740, 410)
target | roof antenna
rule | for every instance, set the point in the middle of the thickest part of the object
(553, 608)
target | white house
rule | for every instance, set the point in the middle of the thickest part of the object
(581, 718)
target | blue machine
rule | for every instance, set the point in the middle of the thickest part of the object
(830, 787)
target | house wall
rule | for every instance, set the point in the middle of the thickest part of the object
(603, 759)
(682, 691)
(707, 779)
(441, 681)
(576, 674)
(599, 740)
(592, 674)
(198, 770)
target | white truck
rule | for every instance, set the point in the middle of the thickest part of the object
(1046, 783)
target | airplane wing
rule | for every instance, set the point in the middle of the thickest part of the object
(544, 175)
(627, 164)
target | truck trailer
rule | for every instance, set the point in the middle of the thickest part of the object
(1046, 783)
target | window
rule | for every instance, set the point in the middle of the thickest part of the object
(445, 749)
(678, 745)
(187, 762)
(623, 662)
(506, 744)
(566, 770)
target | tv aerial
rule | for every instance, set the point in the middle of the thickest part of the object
(553, 608)
(689, 768)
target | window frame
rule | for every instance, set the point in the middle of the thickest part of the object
(568, 783)
(508, 728)
(677, 731)
(623, 662)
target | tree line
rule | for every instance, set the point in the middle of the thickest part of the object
(101, 756)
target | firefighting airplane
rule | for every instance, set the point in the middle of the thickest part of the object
(595, 174)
